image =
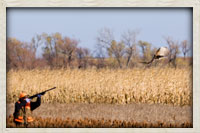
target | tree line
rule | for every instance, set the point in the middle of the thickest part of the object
(64, 52)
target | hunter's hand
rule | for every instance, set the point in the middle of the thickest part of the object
(27, 100)
(39, 95)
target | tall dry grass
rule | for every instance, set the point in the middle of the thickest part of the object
(120, 86)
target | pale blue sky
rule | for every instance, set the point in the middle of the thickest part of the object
(84, 23)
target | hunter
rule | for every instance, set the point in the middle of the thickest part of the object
(23, 109)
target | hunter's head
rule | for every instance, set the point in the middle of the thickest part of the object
(23, 95)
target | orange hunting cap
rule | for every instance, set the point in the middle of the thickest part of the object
(23, 94)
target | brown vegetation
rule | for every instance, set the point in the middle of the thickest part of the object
(119, 86)
(93, 123)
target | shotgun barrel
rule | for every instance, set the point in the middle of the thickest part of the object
(41, 93)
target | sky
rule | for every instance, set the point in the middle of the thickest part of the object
(84, 23)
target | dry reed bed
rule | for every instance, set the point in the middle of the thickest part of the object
(120, 86)
(94, 123)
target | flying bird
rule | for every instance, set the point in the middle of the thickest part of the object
(160, 53)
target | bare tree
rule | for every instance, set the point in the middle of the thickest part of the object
(129, 39)
(49, 48)
(173, 50)
(19, 54)
(68, 49)
(58, 50)
(36, 42)
(185, 47)
(104, 40)
(117, 50)
(100, 56)
(83, 55)
(105, 37)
